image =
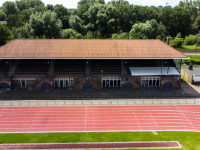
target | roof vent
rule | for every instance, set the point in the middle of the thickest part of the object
(72, 38)
(190, 66)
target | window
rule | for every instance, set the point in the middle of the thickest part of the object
(150, 82)
(71, 81)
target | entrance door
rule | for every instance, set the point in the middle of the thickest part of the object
(111, 82)
(61, 83)
(23, 83)
(67, 82)
(167, 85)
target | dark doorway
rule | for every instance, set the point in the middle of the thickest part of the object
(4, 87)
(128, 86)
(87, 86)
(46, 86)
(167, 85)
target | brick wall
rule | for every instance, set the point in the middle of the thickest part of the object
(174, 80)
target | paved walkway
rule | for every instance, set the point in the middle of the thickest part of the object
(124, 145)
(112, 102)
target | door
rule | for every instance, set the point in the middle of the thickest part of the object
(128, 86)
(61, 83)
(23, 83)
(46, 86)
(4, 86)
(167, 85)
(67, 82)
(87, 86)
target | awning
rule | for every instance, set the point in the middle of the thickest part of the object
(145, 71)
(196, 78)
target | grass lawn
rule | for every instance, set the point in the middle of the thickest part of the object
(188, 140)
(190, 47)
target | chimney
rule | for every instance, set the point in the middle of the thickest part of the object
(190, 66)
(168, 40)
(72, 38)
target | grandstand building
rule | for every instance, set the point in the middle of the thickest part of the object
(89, 64)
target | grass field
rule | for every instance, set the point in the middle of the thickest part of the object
(188, 140)
(190, 47)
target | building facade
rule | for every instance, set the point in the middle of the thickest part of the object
(89, 64)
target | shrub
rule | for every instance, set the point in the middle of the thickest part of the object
(177, 43)
(190, 40)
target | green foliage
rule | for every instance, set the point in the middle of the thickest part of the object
(20, 33)
(103, 18)
(190, 40)
(25, 15)
(197, 23)
(69, 33)
(177, 43)
(14, 21)
(121, 35)
(150, 29)
(98, 36)
(44, 24)
(159, 37)
(26, 4)
(178, 35)
(62, 14)
(90, 35)
(77, 24)
(194, 59)
(5, 34)
(176, 20)
(9, 8)
(3, 16)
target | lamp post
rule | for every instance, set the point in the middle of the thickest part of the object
(197, 39)
(101, 79)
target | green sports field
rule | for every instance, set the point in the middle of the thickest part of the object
(188, 140)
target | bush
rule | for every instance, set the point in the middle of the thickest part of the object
(177, 43)
(194, 59)
(174, 45)
(190, 40)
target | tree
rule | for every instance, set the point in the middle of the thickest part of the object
(9, 8)
(197, 24)
(14, 21)
(44, 24)
(26, 4)
(25, 15)
(98, 36)
(63, 15)
(77, 24)
(69, 33)
(20, 32)
(5, 34)
(50, 7)
(150, 29)
(3, 16)
(103, 18)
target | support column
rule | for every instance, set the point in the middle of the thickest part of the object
(122, 67)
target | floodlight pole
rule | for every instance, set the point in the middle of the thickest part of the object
(197, 39)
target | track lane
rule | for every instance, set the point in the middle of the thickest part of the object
(99, 118)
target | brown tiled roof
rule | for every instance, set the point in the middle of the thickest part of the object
(87, 48)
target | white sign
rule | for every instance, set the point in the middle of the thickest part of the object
(27, 79)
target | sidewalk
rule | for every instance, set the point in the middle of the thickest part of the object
(113, 102)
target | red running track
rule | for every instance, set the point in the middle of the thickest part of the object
(100, 118)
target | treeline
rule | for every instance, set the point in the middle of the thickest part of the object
(94, 19)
